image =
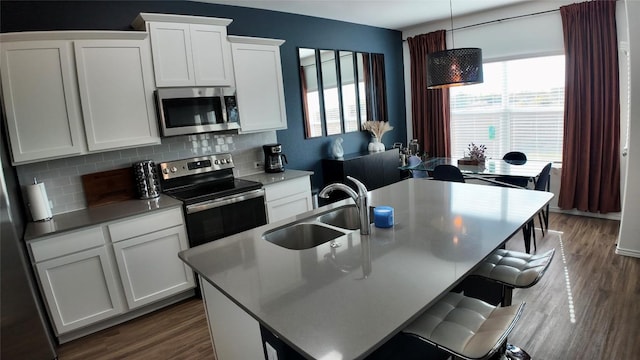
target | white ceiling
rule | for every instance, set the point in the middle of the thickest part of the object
(389, 14)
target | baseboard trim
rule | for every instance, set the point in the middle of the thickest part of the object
(609, 216)
(627, 252)
(90, 329)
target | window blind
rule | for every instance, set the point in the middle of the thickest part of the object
(519, 107)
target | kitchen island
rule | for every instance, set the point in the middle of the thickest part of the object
(345, 298)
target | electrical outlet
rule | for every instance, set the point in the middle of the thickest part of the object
(258, 165)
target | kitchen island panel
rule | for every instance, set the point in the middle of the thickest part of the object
(346, 301)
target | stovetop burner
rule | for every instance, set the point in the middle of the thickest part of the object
(210, 191)
(201, 179)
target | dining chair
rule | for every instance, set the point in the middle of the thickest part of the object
(465, 327)
(541, 184)
(514, 158)
(415, 161)
(448, 173)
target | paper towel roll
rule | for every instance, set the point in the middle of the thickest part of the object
(38, 202)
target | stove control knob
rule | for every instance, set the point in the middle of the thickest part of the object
(174, 169)
(165, 171)
(216, 162)
(229, 160)
(224, 161)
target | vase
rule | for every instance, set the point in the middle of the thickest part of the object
(376, 145)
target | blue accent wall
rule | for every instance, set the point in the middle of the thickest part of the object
(296, 30)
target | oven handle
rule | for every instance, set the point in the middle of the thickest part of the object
(206, 205)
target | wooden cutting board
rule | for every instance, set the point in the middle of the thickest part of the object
(109, 186)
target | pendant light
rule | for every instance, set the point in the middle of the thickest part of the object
(454, 67)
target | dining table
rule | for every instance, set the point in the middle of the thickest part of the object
(489, 168)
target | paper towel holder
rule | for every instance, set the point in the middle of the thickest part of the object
(38, 202)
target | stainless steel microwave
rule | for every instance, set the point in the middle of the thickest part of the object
(194, 110)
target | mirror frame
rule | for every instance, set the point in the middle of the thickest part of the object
(374, 96)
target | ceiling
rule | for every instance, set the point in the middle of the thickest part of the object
(389, 14)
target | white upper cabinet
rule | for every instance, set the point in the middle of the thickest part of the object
(259, 84)
(172, 56)
(188, 50)
(116, 90)
(41, 103)
(72, 93)
(211, 55)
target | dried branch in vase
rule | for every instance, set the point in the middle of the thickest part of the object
(377, 128)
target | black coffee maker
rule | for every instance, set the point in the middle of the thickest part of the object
(274, 158)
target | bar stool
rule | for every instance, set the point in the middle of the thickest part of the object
(514, 269)
(465, 327)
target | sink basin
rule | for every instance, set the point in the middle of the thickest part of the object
(301, 236)
(345, 217)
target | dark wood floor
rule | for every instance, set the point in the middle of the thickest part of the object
(178, 332)
(587, 306)
(586, 279)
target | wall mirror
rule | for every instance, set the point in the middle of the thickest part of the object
(340, 90)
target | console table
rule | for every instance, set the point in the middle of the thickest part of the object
(374, 170)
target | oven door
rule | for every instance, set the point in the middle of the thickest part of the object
(215, 219)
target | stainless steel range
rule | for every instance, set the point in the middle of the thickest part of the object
(216, 204)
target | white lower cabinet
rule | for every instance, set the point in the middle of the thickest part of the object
(288, 198)
(90, 275)
(150, 268)
(80, 289)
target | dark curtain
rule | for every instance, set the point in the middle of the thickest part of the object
(305, 103)
(377, 70)
(591, 161)
(430, 108)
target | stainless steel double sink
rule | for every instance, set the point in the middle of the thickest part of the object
(311, 232)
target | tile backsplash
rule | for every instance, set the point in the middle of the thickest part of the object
(62, 177)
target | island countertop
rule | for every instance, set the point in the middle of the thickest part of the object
(343, 302)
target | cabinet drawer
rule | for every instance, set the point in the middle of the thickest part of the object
(286, 188)
(145, 224)
(66, 244)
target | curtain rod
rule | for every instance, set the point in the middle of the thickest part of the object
(500, 20)
(507, 18)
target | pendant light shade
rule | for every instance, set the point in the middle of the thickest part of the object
(454, 67)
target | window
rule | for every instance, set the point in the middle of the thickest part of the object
(519, 107)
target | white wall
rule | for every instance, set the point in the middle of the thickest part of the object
(536, 35)
(629, 238)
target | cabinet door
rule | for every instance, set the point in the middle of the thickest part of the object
(172, 56)
(212, 63)
(80, 289)
(116, 90)
(288, 198)
(260, 93)
(150, 268)
(40, 98)
(289, 206)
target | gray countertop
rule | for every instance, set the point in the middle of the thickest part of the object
(272, 178)
(97, 215)
(345, 302)
(116, 211)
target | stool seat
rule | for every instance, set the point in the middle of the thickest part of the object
(464, 326)
(515, 269)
